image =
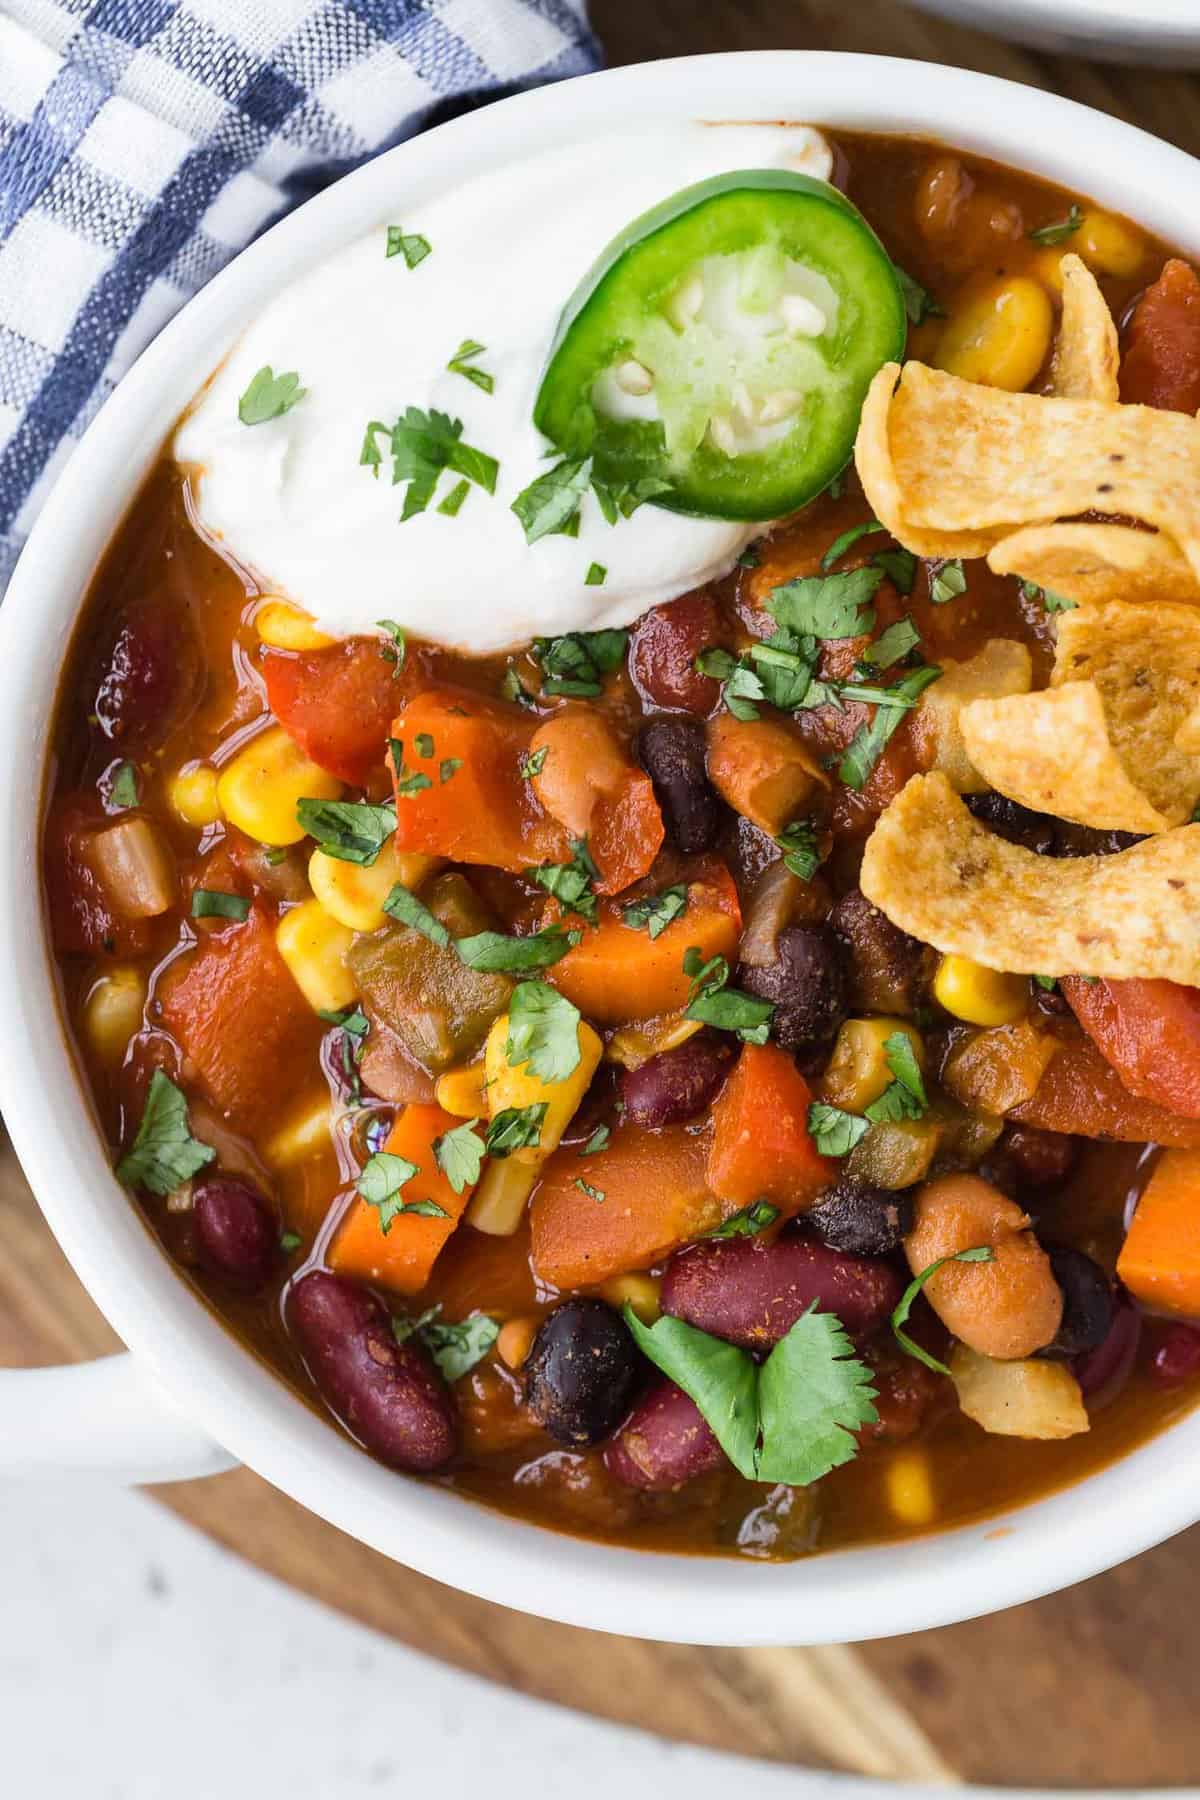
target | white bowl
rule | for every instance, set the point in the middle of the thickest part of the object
(188, 1387)
(1144, 31)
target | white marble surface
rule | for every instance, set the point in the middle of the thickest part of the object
(140, 1662)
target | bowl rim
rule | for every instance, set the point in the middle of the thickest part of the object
(1160, 25)
(874, 1591)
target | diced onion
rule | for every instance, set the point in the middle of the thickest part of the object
(134, 866)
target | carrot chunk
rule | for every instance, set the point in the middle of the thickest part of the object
(617, 973)
(1082, 1093)
(402, 1258)
(646, 1194)
(1160, 1260)
(336, 704)
(248, 1036)
(1149, 1031)
(1161, 361)
(761, 1147)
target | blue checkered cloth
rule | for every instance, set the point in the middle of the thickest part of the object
(144, 142)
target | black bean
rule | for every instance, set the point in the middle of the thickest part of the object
(889, 971)
(677, 1084)
(236, 1233)
(1087, 1304)
(807, 982)
(1018, 824)
(865, 1220)
(672, 752)
(580, 1372)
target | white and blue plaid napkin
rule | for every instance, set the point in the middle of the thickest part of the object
(144, 142)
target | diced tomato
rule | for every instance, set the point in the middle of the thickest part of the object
(249, 1038)
(83, 916)
(336, 704)
(1149, 1031)
(1160, 364)
(1082, 1093)
(761, 1147)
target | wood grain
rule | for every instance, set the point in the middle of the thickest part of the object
(1095, 1686)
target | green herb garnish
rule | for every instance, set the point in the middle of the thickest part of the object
(211, 903)
(402, 904)
(748, 1222)
(269, 396)
(350, 830)
(492, 953)
(919, 303)
(905, 1096)
(870, 741)
(463, 363)
(949, 582)
(1059, 230)
(409, 244)
(850, 537)
(571, 882)
(802, 853)
(596, 575)
(381, 1184)
(516, 1128)
(551, 501)
(164, 1153)
(654, 912)
(459, 1155)
(123, 788)
(543, 1031)
(576, 664)
(833, 1131)
(598, 1141)
(981, 1253)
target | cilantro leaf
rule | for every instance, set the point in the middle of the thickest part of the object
(827, 606)
(949, 582)
(593, 1193)
(451, 506)
(598, 1141)
(571, 882)
(463, 363)
(423, 444)
(869, 741)
(802, 854)
(596, 575)
(833, 1131)
(891, 645)
(211, 903)
(448, 768)
(576, 663)
(1060, 229)
(410, 245)
(458, 1347)
(516, 1128)
(720, 1378)
(849, 537)
(980, 1253)
(534, 763)
(905, 1096)
(919, 303)
(164, 1153)
(402, 904)
(459, 1155)
(543, 1031)
(654, 912)
(348, 1018)
(397, 650)
(381, 1182)
(741, 691)
(900, 566)
(123, 787)
(269, 396)
(552, 500)
(748, 1222)
(492, 953)
(1053, 603)
(349, 830)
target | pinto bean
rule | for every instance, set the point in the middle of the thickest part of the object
(388, 1395)
(1007, 1308)
(751, 1293)
(663, 648)
(581, 763)
(678, 1084)
(236, 1234)
(663, 1443)
(672, 752)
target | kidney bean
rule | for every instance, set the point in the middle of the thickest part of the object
(1103, 1372)
(1039, 1157)
(663, 1443)
(807, 982)
(663, 648)
(751, 1293)
(236, 1233)
(580, 1371)
(1087, 1304)
(151, 676)
(388, 1395)
(677, 1084)
(905, 1391)
(672, 752)
(889, 971)
(1176, 1356)
(859, 1218)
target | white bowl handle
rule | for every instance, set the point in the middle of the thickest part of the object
(99, 1418)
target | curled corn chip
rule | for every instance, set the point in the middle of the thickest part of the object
(1001, 667)
(1100, 746)
(939, 874)
(1086, 355)
(956, 464)
(1085, 561)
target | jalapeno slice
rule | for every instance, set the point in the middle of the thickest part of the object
(719, 350)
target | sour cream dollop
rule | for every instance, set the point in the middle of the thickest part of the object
(369, 337)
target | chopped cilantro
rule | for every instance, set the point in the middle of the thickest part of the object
(516, 1128)
(919, 303)
(833, 1131)
(1059, 230)
(543, 1031)
(402, 904)
(598, 1141)
(981, 1253)
(576, 664)
(123, 786)
(596, 575)
(410, 245)
(534, 763)
(891, 645)
(654, 912)
(1053, 603)
(451, 506)
(421, 445)
(748, 1222)
(164, 1153)
(448, 768)
(870, 741)
(715, 1003)
(269, 396)
(396, 651)
(551, 501)
(571, 882)
(492, 953)
(463, 363)
(905, 1096)
(801, 851)
(381, 1184)
(350, 830)
(949, 582)
(849, 537)
(827, 606)
(459, 1155)
(211, 903)
(455, 1348)
(593, 1193)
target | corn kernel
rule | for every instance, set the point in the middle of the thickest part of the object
(498, 1203)
(1000, 336)
(515, 1340)
(462, 1092)
(302, 1135)
(112, 1012)
(639, 1292)
(259, 789)
(977, 995)
(909, 1485)
(354, 893)
(858, 1071)
(1047, 266)
(193, 795)
(314, 947)
(1109, 245)
(282, 626)
(509, 1086)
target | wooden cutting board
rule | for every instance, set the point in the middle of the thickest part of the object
(1099, 1686)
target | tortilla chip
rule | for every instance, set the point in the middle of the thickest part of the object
(973, 463)
(1145, 661)
(1098, 562)
(1051, 751)
(940, 875)
(1086, 355)
(873, 459)
(1001, 667)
